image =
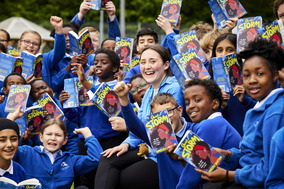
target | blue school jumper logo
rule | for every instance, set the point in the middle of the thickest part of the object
(64, 166)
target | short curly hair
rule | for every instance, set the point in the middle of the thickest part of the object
(211, 87)
(269, 50)
(114, 58)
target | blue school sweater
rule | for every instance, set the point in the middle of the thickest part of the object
(61, 173)
(18, 175)
(217, 132)
(259, 126)
(275, 177)
(93, 117)
(236, 111)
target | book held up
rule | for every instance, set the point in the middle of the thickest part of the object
(26, 184)
(171, 10)
(81, 44)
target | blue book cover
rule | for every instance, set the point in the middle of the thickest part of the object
(273, 32)
(29, 64)
(223, 10)
(35, 119)
(227, 72)
(81, 44)
(50, 108)
(171, 10)
(247, 31)
(123, 47)
(78, 93)
(159, 130)
(198, 153)
(18, 97)
(106, 100)
(22, 124)
(26, 184)
(187, 65)
(7, 63)
(96, 4)
(188, 40)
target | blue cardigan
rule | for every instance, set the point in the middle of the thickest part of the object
(218, 133)
(275, 177)
(61, 173)
(252, 160)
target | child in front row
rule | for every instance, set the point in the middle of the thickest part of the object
(9, 142)
(52, 167)
(251, 161)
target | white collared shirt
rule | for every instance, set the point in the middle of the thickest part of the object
(9, 170)
(215, 114)
(259, 103)
(51, 156)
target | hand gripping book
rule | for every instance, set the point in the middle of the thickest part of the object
(99, 4)
(26, 184)
(227, 72)
(223, 10)
(123, 47)
(171, 10)
(188, 40)
(50, 108)
(273, 32)
(247, 31)
(187, 65)
(9, 64)
(32, 64)
(18, 97)
(106, 100)
(35, 119)
(159, 130)
(198, 153)
(81, 44)
(77, 93)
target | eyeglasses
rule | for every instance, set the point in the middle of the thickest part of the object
(30, 43)
(134, 90)
(171, 112)
(3, 40)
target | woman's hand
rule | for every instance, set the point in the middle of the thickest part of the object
(121, 149)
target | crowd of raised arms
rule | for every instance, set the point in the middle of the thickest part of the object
(90, 150)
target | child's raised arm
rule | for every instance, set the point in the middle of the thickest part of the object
(84, 8)
(78, 69)
(57, 23)
(84, 131)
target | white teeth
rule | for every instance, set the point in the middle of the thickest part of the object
(149, 73)
(193, 113)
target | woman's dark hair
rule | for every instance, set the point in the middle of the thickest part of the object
(211, 87)
(11, 74)
(273, 54)
(111, 55)
(276, 5)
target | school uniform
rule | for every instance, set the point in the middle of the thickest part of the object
(15, 172)
(217, 132)
(275, 177)
(60, 173)
(260, 125)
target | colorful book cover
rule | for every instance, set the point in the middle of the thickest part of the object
(18, 97)
(223, 10)
(50, 108)
(123, 47)
(171, 10)
(78, 93)
(187, 65)
(227, 72)
(96, 4)
(198, 153)
(247, 31)
(106, 100)
(14, 52)
(22, 124)
(35, 119)
(159, 130)
(7, 63)
(26, 184)
(81, 44)
(29, 63)
(188, 40)
(18, 66)
(103, 4)
(134, 62)
(273, 32)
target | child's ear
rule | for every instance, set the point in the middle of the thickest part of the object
(275, 78)
(215, 104)
(19, 44)
(65, 140)
(180, 110)
(115, 69)
(166, 65)
(40, 137)
(5, 91)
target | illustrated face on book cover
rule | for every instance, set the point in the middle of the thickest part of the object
(35, 124)
(201, 155)
(232, 7)
(18, 69)
(235, 76)
(170, 11)
(192, 44)
(50, 110)
(111, 103)
(277, 38)
(161, 135)
(193, 68)
(83, 96)
(17, 100)
(38, 70)
(87, 46)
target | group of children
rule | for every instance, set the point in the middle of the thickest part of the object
(96, 151)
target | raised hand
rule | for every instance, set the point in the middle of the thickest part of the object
(85, 131)
(110, 9)
(121, 90)
(57, 23)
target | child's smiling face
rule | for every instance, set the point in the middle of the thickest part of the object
(9, 142)
(53, 138)
(258, 79)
